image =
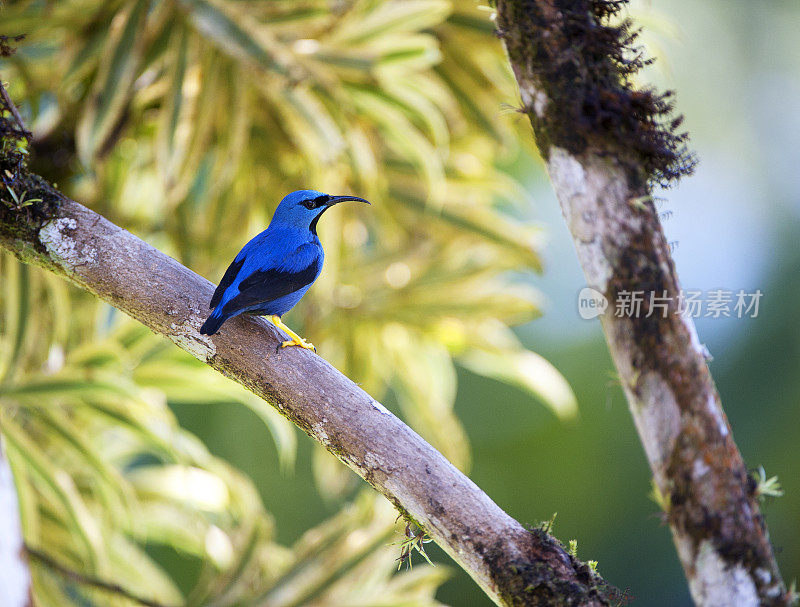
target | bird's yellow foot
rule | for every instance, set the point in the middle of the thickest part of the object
(299, 342)
(295, 340)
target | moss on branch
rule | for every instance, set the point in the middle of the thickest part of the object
(581, 57)
(27, 201)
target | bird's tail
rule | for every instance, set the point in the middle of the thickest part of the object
(213, 323)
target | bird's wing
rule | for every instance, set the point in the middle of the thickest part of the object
(227, 279)
(263, 286)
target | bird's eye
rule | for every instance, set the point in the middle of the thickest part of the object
(309, 204)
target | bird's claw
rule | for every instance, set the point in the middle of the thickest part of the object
(302, 343)
(295, 340)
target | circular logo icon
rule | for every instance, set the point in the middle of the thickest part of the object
(591, 303)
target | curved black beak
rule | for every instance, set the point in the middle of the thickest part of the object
(337, 199)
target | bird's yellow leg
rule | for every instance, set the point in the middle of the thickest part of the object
(296, 339)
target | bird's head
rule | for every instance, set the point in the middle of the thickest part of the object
(303, 208)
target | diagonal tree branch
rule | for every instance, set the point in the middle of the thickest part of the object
(605, 142)
(513, 565)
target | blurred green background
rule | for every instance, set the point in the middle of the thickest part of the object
(736, 68)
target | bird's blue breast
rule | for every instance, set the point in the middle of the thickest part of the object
(283, 248)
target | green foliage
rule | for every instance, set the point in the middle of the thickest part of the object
(186, 122)
(766, 487)
(547, 526)
(18, 201)
(414, 540)
(662, 500)
(793, 594)
(573, 548)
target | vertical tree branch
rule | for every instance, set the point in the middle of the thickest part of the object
(15, 579)
(605, 143)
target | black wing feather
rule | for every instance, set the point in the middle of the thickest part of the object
(264, 286)
(227, 279)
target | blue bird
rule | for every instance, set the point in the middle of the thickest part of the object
(276, 268)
